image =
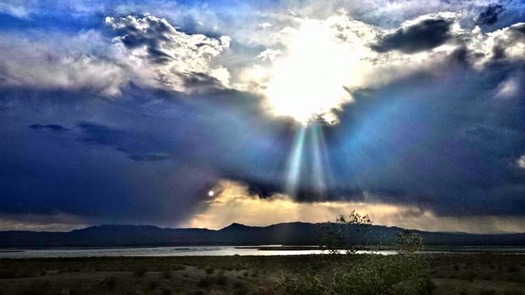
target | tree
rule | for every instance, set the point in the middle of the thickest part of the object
(404, 273)
(408, 242)
(344, 236)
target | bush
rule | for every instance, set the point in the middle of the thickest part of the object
(209, 270)
(110, 282)
(8, 274)
(240, 288)
(179, 267)
(166, 274)
(468, 276)
(140, 272)
(405, 273)
(487, 292)
(205, 282)
(38, 287)
(221, 280)
(153, 285)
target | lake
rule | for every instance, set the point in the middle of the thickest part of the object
(265, 250)
(160, 252)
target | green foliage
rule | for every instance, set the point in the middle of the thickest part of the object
(341, 236)
(405, 273)
(371, 274)
(408, 242)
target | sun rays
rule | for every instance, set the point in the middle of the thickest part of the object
(308, 163)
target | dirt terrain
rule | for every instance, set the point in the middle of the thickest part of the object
(450, 273)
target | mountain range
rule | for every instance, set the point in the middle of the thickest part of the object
(296, 233)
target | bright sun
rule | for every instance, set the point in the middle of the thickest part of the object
(307, 82)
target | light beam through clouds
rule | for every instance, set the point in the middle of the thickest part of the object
(295, 162)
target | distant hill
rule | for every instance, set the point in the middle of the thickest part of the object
(296, 233)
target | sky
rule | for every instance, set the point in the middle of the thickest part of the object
(204, 113)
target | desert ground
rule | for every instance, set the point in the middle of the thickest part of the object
(450, 274)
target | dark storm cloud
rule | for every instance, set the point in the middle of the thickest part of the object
(149, 157)
(51, 127)
(424, 35)
(100, 134)
(443, 143)
(138, 161)
(490, 14)
(138, 147)
(446, 138)
(155, 32)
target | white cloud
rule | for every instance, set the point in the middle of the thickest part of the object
(15, 8)
(521, 162)
(41, 64)
(508, 42)
(265, 25)
(508, 88)
(172, 58)
(315, 64)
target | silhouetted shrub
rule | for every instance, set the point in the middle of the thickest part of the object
(109, 282)
(166, 274)
(140, 272)
(205, 282)
(153, 285)
(240, 288)
(8, 274)
(221, 279)
(179, 267)
(38, 288)
(210, 270)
